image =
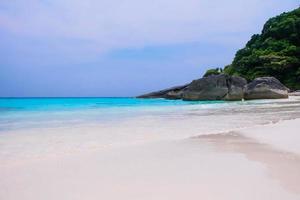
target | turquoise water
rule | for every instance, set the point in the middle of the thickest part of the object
(38, 112)
(46, 104)
(38, 127)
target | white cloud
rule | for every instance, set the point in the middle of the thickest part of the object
(113, 24)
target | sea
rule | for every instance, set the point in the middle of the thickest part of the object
(23, 113)
(20, 113)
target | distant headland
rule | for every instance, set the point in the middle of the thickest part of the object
(268, 67)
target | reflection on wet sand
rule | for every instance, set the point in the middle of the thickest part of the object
(280, 165)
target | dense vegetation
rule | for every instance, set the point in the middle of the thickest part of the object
(215, 71)
(274, 52)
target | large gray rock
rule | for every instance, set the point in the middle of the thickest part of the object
(236, 87)
(174, 94)
(265, 88)
(170, 93)
(215, 87)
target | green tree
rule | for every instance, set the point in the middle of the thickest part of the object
(274, 52)
(215, 71)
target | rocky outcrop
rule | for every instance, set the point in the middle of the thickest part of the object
(170, 93)
(174, 94)
(236, 87)
(265, 88)
(215, 87)
(295, 93)
(225, 87)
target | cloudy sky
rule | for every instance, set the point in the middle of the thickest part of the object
(121, 47)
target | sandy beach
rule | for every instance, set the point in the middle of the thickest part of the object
(149, 100)
(255, 162)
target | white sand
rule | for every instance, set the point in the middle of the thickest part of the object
(284, 135)
(225, 166)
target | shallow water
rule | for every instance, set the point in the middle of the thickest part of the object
(19, 113)
(26, 113)
(43, 127)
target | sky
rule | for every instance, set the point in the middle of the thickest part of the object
(95, 48)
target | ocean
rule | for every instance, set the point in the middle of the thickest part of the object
(27, 113)
(17, 113)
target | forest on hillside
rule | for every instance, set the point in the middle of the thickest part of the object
(274, 52)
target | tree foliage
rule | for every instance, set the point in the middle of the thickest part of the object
(274, 52)
(215, 71)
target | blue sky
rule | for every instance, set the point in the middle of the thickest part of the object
(121, 47)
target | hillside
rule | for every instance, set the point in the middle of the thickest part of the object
(274, 52)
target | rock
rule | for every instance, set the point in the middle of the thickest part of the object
(225, 87)
(236, 87)
(265, 88)
(295, 93)
(215, 87)
(170, 93)
(174, 94)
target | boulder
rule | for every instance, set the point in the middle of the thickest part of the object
(215, 87)
(174, 94)
(295, 93)
(236, 87)
(265, 88)
(170, 93)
